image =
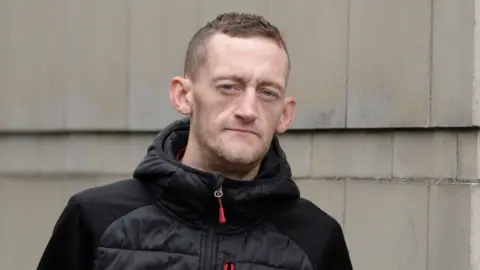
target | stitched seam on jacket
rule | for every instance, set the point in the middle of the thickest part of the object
(149, 250)
(264, 264)
(120, 217)
(296, 243)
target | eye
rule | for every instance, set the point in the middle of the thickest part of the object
(269, 94)
(226, 87)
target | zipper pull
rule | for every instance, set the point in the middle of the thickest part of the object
(221, 212)
(229, 266)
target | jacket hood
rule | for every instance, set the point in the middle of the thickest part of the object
(189, 193)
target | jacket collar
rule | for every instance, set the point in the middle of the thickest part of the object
(189, 193)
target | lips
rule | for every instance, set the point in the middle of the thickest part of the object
(243, 130)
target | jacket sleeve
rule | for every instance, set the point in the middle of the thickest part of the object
(337, 256)
(71, 245)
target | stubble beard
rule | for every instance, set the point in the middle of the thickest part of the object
(222, 155)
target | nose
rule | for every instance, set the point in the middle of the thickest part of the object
(246, 108)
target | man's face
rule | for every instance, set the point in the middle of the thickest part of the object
(238, 98)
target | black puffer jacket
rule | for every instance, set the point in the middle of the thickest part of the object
(168, 217)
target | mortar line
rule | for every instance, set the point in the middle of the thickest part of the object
(344, 215)
(198, 14)
(311, 137)
(64, 98)
(428, 228)
(430, 180)
(392, 153)
(431, 62)
(128, 62)
(457, 173)
(270, 4)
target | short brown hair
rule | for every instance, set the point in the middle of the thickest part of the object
(233, 24)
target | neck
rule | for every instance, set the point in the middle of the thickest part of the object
(195, 158)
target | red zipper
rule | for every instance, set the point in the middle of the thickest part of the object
(221, 211)
(229, 266)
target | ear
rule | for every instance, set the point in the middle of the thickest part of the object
(287, 116)
(180, 95)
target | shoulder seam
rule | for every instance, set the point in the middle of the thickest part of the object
(124, 214)
(294, 241)
(89, 221)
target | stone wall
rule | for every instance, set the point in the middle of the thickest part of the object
(385, 139)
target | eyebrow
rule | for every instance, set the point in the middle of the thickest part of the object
(229, 77)
(243, 81)
(272, 84)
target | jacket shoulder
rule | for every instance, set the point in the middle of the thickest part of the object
(316, 232)
(82, 222)
(305, 218)
(124, 192)
(102, 205)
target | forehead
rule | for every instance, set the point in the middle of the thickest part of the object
(252, 57)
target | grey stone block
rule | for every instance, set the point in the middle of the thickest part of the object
(386, 225)
(449, 227)
(3, 65)
(425, 154)
(84, 154)
(352, 154)
(72, 154)
(96, 57)
(317, 38)
(19, 154)
(389, 64)
(31, 207)
(452, 63)
(209, 9)
(4, 246)
(476, 71)
(122, 154)
(35, 64)
(468, 153)
(106, 154)
(155, 60)
(52, 154)
(327, 195)
(475, 227)
(298, 148)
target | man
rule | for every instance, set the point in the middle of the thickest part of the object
(214, 190)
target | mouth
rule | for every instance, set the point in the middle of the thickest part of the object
(244, 131)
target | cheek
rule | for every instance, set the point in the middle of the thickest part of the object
(210, 114)
(271, 114)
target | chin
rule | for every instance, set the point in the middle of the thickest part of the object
(241, 160)
(241, 156)
(239, 151)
